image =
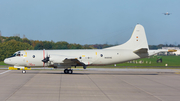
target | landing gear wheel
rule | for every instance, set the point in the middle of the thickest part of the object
(23, 71)
(66, 71)
(70, 71)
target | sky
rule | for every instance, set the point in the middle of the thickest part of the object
(91, 21)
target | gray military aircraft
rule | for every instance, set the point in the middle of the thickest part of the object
(135, 48)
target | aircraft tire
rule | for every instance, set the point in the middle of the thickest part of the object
(23, 71)
(66, 71)
(70, 71)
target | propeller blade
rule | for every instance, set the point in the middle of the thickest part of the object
(46, 59)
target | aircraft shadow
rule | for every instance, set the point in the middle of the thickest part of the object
(101, 73)
(97, 73)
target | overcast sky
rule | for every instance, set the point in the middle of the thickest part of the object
(91, 21)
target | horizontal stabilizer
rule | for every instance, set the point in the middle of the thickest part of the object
(142, 50)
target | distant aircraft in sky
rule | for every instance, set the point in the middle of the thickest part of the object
(135, 48)
(167, 13)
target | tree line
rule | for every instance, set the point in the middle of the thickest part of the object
(9, 45)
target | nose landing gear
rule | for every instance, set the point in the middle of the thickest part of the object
(23, 71)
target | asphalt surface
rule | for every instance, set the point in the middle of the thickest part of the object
(91, 85)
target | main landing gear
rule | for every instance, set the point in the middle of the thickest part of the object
(68, 71)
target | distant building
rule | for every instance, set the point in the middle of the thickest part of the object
(177, 53)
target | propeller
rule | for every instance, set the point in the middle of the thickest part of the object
(46, 59)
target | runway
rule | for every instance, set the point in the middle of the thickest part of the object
(91, 85)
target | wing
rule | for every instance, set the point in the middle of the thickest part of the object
(73, 62)
(64, 61)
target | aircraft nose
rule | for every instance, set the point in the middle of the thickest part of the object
(7, 61)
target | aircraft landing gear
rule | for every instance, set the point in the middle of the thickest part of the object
(23, 71)
(68, 71)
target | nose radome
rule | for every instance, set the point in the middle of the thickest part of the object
(7, 61)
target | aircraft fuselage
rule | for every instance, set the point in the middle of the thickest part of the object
(33, 58)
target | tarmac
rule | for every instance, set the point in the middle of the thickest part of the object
(91, 85)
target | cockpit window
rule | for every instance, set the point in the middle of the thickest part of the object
(16, 54)
(13, 55)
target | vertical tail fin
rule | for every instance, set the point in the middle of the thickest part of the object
(137, 41)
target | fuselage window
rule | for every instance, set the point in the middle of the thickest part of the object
(101, 55)
(33, 56)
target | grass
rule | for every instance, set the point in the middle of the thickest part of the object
(151, 61)
(2, 63)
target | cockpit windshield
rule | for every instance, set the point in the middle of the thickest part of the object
(17, 54)
(13, 55)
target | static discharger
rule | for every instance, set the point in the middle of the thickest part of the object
(25, 68)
